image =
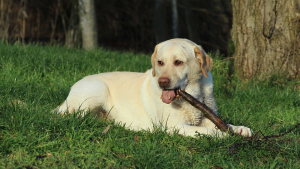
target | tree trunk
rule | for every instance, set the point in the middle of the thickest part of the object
(88, 24)
(266, 36)
(73, 37)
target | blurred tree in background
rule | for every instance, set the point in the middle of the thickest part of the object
(88, 24)
(265, 33)
(125, 25)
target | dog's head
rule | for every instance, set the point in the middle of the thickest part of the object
(176, 63)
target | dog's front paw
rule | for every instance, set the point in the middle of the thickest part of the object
(241, 130)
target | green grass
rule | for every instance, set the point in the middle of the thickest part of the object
(41, 77)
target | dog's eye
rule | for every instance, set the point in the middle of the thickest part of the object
(160, 63)
(178, 62)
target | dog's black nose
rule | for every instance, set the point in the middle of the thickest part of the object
(164, 82)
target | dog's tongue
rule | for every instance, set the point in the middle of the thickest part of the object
(168, 96)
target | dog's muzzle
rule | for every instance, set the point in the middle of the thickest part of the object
(168, 95)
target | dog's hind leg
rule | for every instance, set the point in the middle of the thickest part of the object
(86, 94)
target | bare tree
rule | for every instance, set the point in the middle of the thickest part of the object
(88, 24)
(266, 36)
(5, 18)
(73, 37)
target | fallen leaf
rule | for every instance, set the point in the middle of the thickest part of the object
(67, 152)
(285, 160)
(106, 130)
(49, 154)
(137, 138)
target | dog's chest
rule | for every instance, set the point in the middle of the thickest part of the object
(188, 113)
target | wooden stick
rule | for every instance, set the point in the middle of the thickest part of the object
(208, 113)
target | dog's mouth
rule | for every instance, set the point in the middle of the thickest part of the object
(168, 95)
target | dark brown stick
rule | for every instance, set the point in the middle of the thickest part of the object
(208, 113)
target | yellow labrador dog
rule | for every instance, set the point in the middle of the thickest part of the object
(141, 100)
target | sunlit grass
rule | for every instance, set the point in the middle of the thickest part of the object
(35, 79)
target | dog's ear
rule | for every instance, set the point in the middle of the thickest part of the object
(153, 57)
(204, 60)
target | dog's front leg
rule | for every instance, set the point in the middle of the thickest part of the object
(192, 131)
(240, 130)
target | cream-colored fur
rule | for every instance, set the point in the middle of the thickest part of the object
(135, 98)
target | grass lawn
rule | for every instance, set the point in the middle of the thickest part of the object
(35, 79)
